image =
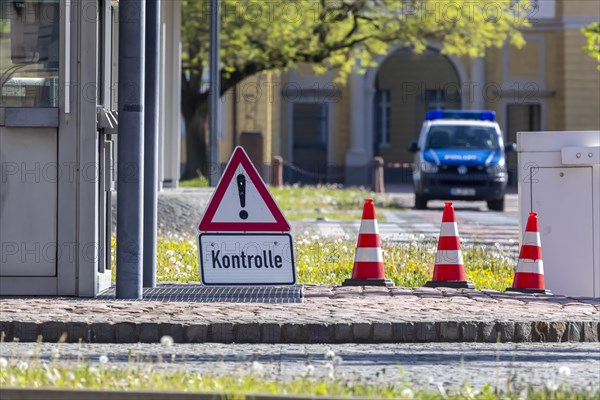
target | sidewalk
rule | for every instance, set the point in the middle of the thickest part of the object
(329, 314)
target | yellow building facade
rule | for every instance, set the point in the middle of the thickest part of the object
(328, 132)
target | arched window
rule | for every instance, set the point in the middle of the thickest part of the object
(382, 117)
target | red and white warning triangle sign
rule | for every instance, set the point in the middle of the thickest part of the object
(241, 202)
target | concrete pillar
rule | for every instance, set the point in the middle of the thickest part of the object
(357, 158)
(477, 87)
(172, 93)
(130, 180)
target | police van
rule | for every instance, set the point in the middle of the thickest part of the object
(460, 155)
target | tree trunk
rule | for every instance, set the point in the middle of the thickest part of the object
(195, 140)
(194, 107)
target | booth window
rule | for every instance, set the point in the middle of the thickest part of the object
(29, 53)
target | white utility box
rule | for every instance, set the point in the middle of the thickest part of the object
(560, 180)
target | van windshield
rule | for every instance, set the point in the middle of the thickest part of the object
(462, 137)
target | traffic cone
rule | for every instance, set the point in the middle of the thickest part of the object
(449, 270)
(529, 277)
(368, 262)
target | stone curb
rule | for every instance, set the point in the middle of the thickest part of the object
(489, 331)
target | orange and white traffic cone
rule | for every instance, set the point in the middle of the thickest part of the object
(368, 262)
(449, 270)
(529, 277)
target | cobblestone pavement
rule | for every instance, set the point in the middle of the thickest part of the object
(424, 365)
(330, 314)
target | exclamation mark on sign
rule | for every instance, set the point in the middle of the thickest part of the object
(241, 182)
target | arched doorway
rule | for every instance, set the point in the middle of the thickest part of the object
(406, 86)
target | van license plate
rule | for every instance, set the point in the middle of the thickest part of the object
(462, 192)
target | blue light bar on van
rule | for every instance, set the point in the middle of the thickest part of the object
(480, 115)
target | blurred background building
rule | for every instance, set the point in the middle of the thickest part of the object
(332, 131)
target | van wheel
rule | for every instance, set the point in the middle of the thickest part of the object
(420, 202)
(496, 205)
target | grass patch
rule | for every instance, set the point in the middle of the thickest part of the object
(330, 201)
(330, 261)
(158, 374)
(323, 260)
(200, 182)
(328, 197)
(311, 202)
(328, 215)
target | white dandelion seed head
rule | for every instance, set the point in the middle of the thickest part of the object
(337, 360)
(310, 369)
(329, 355)
(407, 393)
(166, 341)
(3, 362)
(103, 359)
(564, 371)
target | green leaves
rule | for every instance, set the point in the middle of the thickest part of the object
(262, 35)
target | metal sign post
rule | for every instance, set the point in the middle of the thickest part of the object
(214, 92)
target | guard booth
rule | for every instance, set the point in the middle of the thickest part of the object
(58, 136)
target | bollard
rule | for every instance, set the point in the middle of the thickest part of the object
(277, 171)
(377, 179)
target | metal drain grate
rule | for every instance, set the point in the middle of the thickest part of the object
(210, 294)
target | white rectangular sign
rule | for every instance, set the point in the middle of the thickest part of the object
(246, 259)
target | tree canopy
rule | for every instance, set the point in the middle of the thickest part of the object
(264, 35)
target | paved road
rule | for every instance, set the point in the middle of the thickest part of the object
(180, 211)
(476, 225)
(424, 365)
